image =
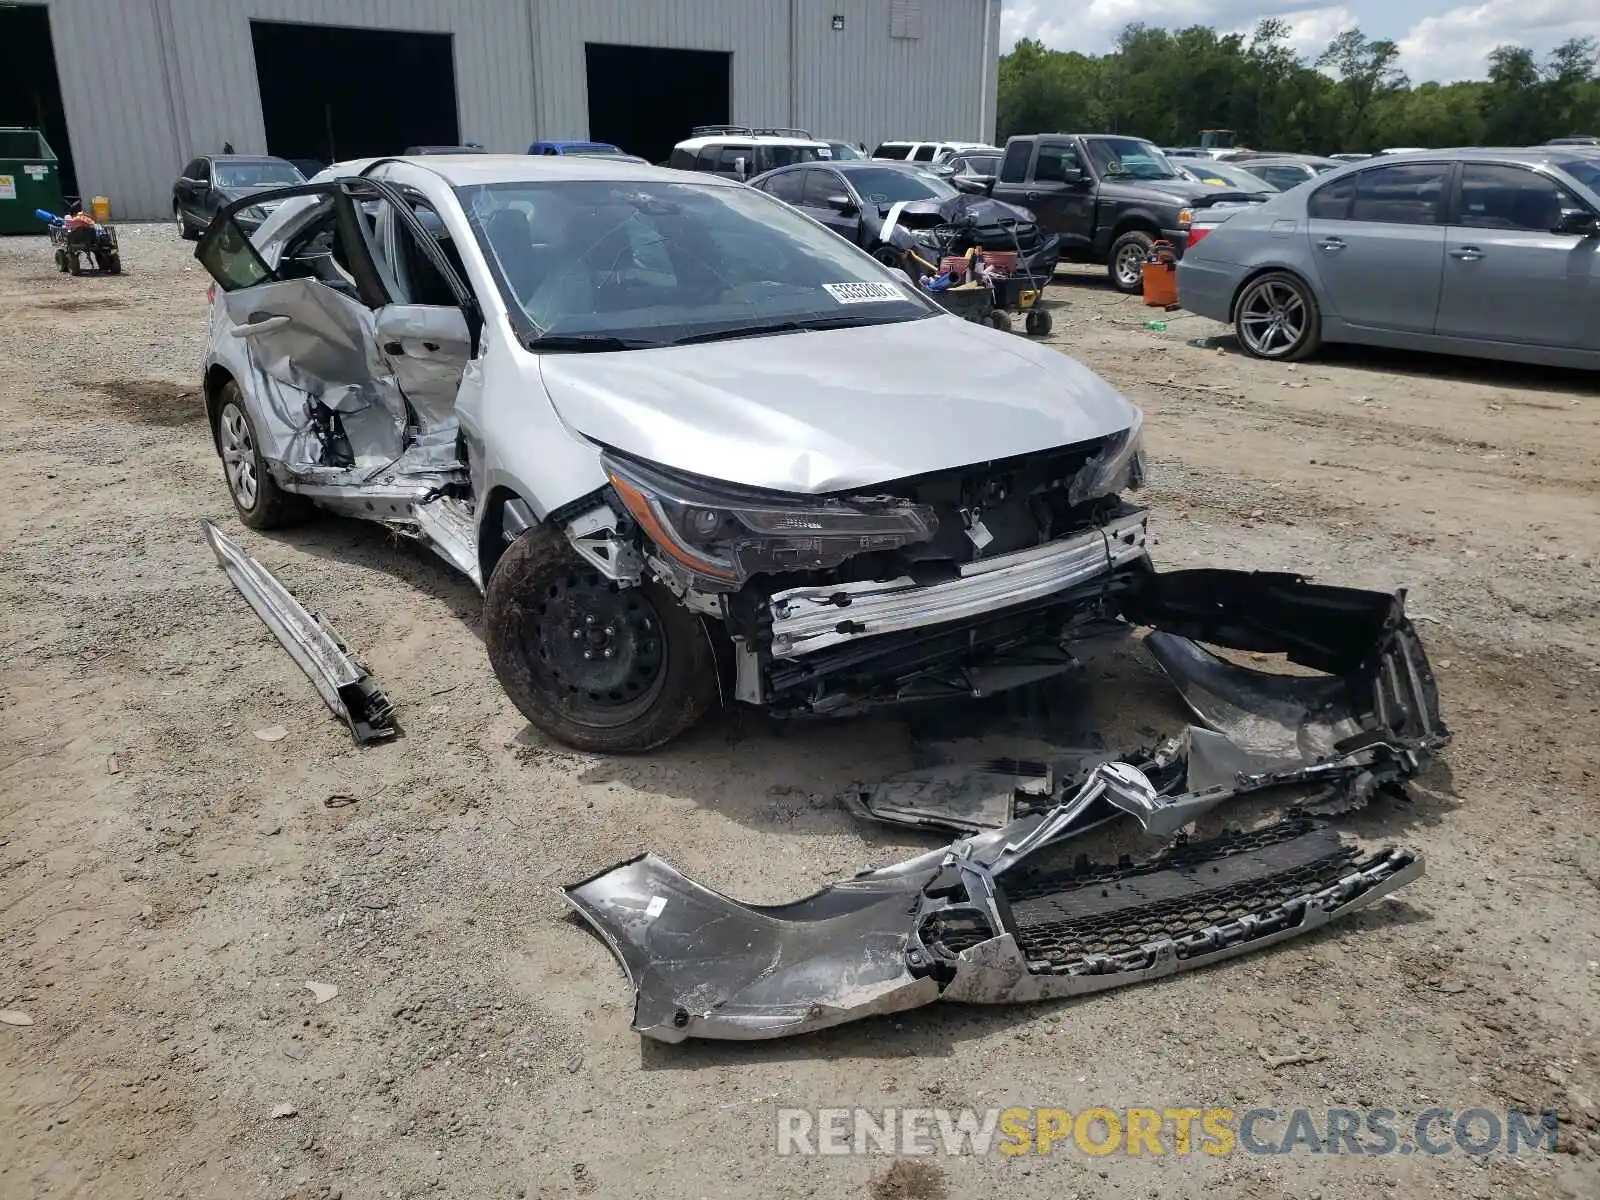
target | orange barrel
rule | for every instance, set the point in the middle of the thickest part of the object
(1160, 284)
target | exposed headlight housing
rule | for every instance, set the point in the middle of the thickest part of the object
(722, 534)
(1119, 467)
(257, 212)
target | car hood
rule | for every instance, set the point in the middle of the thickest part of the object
(229, 195)
(1172, 191)
(835, 410)
(978, 210)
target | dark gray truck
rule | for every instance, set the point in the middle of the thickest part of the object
(1108, 197)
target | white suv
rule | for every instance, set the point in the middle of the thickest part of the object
(927, 152)
(740, 152)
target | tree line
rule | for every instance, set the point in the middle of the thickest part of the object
(1168, 85)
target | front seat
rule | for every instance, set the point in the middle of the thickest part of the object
(510, 233)
(1538, 210)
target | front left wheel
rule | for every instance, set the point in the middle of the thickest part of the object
(595, 665)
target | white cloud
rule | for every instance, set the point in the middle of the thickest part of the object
(1450, 45)
(1454, 44)
(1311, 29)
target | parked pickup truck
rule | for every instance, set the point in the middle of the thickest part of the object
(1108, 197)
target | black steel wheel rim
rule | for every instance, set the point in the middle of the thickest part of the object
(597, 649)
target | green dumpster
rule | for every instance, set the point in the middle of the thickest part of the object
(29, 179)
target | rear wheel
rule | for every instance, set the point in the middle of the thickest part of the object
(1000, 319)
(1126, 264)
(1277, 318)
(260, 502)
(185, 230)
(595, 665)
(1039, 323)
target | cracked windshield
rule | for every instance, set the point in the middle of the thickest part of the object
(622, 265)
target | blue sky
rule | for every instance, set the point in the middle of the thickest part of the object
(1438, 39)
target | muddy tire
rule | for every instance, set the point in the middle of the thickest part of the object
(1126, 264)
(596, 666)
(259, 501)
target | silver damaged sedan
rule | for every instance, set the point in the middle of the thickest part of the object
(689, 443)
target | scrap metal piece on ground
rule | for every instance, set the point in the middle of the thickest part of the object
(1369, 721)
(342, 682)
(996, 918)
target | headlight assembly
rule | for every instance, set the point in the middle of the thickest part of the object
(1119, 467)
(722, 535)
(256, 213)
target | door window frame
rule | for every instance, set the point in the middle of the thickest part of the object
(225, 235)
(1458, 194)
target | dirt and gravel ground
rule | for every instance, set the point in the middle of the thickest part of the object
(169, 881)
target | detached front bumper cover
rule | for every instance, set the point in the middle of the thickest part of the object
(1002, 914)
(994, 919)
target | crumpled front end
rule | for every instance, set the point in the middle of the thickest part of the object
(959, 582)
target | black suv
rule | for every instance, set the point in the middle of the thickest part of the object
(214, 181)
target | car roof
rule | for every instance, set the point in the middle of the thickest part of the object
(745, 139)
(1516, 154)
(466, 170)
(244, 158)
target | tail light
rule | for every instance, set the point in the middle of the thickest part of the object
(1196, 232)
(211, 293)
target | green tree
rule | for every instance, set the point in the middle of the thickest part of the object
(1169, 85)
(1367, 71)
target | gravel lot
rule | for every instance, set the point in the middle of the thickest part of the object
(168, 881)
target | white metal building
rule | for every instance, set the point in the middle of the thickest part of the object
(145, 85)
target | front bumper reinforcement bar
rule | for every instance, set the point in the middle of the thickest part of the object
(808, 619)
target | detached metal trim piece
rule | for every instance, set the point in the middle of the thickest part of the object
(342, 682)
(808, 619)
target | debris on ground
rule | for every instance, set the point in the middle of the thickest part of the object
(284, 1110)
(11, 1016)
(1001, 917)
(1295, 1058)
(321, 993)
(272, 733)
(343, 683)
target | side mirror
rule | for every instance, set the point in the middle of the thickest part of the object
(988, 182)
(1579, 221)
(842, 205)
(973, 185)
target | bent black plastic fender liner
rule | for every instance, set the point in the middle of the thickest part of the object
(343, 683)
(1373, 721)
(972, 922)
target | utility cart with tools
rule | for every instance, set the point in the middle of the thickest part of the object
(78, 240)
(984, 286)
